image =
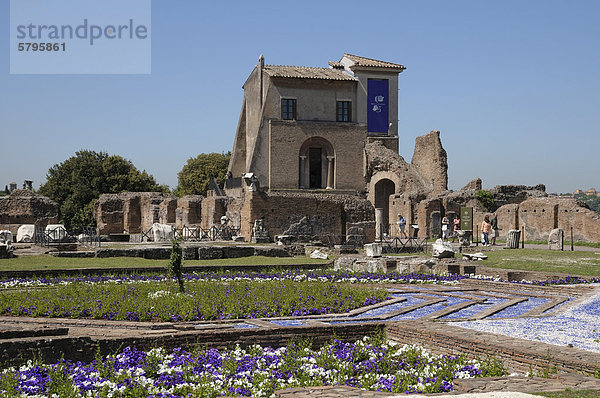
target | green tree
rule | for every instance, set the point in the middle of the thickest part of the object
(193, 179)
(486, 199)
(174, 269)
(78, 182)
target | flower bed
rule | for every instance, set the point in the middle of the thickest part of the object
(314, 276)
(203, 300)
(371, 364)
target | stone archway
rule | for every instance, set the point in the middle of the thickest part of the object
(381, 186)
(384, 188)
(317, 164)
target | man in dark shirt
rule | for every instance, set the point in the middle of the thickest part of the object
(495, 229)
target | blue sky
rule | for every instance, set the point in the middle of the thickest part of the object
(513, 86)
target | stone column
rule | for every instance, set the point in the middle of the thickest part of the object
(330, 172)
(302, 172)
(378, 223)
(512, 239)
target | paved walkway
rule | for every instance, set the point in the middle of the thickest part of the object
(486, 387)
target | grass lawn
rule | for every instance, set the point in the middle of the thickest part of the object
(541, 260)
(44, 261)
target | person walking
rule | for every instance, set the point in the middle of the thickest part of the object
(401, 225)
(456, 223)
(486, 228)
(445, 228)
(495, 229)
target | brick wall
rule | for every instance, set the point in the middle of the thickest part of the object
(286, 139)
(329, 214)
(213, 208)
(52, 349)
(538, 216)
(189, 211)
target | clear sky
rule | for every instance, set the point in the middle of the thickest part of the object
(513, 86)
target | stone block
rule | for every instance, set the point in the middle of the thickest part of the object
(373, 249)
(162, 232)
(74, 254)
(442, 249)
(268, 251)
(25, 233)
(103, 253)
(189, 253)
(6, 236)
(237, 251)
(157, 253)
(556, 239)
(319, 255)
(210, 252)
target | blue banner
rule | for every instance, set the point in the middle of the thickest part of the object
(377, 106)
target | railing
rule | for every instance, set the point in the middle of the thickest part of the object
(403, 245)
(89, 237)
(45, 236)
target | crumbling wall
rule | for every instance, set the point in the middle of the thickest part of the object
(473, 184)
(508, 218)
(23, 206)
(431, 161)
(585, 222)
(109, 214)
(305, 214)
(506, 194)
(189, 211)
(167, 211)
(213, 208)
(539, 216)
(428, 227)
(383, 161)
(150, 208)
(133, 212)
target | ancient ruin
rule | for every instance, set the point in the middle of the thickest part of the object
(315, 157)
(23, 206)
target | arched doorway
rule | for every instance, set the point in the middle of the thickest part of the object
(383, 189)
(317, 164)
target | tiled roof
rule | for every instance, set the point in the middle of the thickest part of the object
(336, 65)
(369, 62)
(305, 72)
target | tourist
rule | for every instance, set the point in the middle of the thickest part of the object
(486, 228)
(495, 229)
(401, 225)
(456, 223)
(445, 228)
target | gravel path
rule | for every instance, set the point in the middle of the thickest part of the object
(577, 326)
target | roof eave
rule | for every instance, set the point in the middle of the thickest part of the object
(396, 69)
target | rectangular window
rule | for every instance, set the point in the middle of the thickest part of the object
(288, 109)
(344, 111)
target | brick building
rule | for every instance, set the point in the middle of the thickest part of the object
(307, 127)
